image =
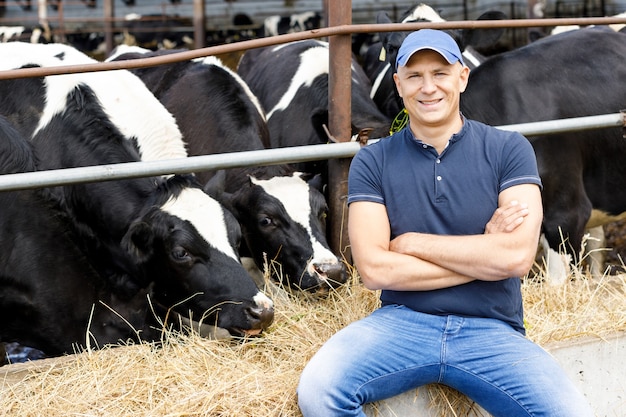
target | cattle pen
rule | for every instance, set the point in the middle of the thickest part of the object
(339, 105)
(345, 148)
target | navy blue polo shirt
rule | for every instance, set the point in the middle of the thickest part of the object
(452, 193)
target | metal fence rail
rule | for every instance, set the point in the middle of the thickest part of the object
(276, 156)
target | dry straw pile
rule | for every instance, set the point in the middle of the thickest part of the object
(188, 375)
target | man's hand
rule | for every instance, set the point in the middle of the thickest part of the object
(508, 218)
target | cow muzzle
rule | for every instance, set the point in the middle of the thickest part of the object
(329, 274)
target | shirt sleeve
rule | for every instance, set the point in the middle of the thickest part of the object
(364, 177)
(520, 163)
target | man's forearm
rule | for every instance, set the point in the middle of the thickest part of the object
(486, 257)
(401, 272)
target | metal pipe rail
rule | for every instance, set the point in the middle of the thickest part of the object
(57, 177)
(289, 37)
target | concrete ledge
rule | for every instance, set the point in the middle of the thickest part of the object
(597, 367)
(14, 373)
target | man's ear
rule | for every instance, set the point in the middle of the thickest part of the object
(465, 72)
(396, 80)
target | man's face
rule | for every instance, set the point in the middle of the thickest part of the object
(431, 87)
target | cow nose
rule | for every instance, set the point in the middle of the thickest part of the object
(334, 274)
(260, 317)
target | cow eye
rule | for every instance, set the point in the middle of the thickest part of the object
(265, 221)
(180, 254)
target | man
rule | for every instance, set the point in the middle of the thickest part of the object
(444, 217)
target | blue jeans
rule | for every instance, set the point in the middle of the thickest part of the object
(396, 349)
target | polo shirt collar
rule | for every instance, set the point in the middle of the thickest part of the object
(455, 137)
(459, 135)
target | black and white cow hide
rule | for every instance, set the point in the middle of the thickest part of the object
(162, 230)
(34, 34)
(52, 297)
(298, 22)
(291, 82)
(157, 31)
(573, 74)
(282, 212)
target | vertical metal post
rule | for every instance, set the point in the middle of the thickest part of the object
(199, 29)
(326, 8)
(339, 112)
(535, 10)
(42, 11)
(109, 13)
(42, 14)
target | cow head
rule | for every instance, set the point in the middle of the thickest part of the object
(475, 38)
(49, 287)
(188, 244)
(283, 221)
(363, 128)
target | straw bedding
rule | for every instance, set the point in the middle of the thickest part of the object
(189, 375)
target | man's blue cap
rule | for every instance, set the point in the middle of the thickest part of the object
(436, 40)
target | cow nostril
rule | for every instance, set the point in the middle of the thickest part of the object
(335, 274)
(261, 317)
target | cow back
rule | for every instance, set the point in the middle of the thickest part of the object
(49, 288)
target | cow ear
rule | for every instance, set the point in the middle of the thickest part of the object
(482, 39)
(229, 201)
(319, 119)
(383, 17)
(216, 184)
(138, 241)
(215, 188)
(317, 182)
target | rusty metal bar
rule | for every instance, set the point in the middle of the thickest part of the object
(340, 116)
(199, 30)
(109, 13)
(42, 12)
(311, 34)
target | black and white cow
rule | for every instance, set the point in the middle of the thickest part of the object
(282, 212)
(298, 22)
(618, 27)
(164, 230)
(90, 43)
(51, 296)
(157, 31)
(595, 238)
(379, 61)
(291, 82)
(573, 74)
(35, 34)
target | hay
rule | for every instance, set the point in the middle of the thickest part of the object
(583, 307)
(187, 375)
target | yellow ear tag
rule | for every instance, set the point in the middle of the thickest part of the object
(399, 122)
(383, 54)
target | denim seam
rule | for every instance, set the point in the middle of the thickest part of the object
(442, 363)
(493, 385)
(390, 374)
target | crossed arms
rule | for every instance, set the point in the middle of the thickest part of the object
(419, 262)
